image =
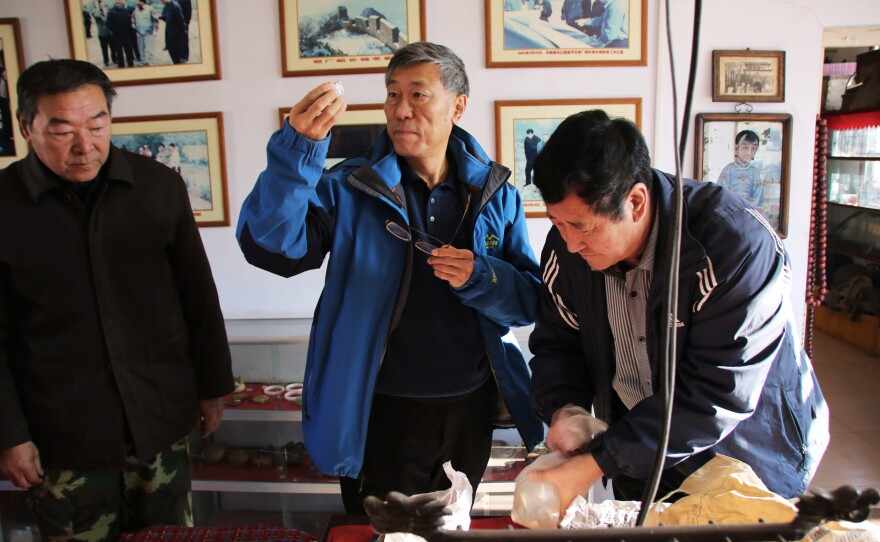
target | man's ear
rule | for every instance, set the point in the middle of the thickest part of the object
(460, 106)
(640, 199)
(23, 126)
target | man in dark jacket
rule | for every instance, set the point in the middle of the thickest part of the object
(744, 387)
(176, 32)
(112, 342)
(119, 24)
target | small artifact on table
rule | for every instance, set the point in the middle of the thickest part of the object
(239, 384)
(213, 452)
(233, 403)
(239, 396)
(238, 457)
(261, 399)
(264, 457)
(290, 454)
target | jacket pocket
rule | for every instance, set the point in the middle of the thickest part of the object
(173, 373)
(795, 427)
(50, 394)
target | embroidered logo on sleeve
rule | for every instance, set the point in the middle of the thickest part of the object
(491, 240)
(550, 272)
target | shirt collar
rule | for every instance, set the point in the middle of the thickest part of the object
(39, 179)
(646, 263)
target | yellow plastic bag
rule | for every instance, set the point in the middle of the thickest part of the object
(724, 490)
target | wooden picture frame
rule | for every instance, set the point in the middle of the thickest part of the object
(748, 76)
(307, 48)
(202, 62)
(13, 145)
(357, 131)
(199, 140)
(765, 181)
(518, 35)
(514, 118)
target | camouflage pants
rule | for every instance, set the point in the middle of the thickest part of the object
(100, 504)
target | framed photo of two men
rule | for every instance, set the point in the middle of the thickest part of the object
(12, 143)
(527, 33)
(146, 41)
(523, 126)
(326, 37)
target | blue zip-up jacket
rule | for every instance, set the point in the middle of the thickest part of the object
(297, 213)
(744, 386)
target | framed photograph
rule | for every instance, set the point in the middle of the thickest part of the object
(522, 127)
(193, 146)
(527, 33)
(749, 154)
(357, 131)
(748, 76)
(12, 143)
(146, 41)
(323, 37)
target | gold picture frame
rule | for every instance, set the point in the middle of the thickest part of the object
(308, 49)
(202, 62)
(521, 34)
(748, 76)
(513, 119)
(717, 136)
(13, 145)
(356, 132)
(201, 162)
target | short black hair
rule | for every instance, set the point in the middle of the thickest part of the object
(748, 135)
(56, 76)
(530, 131)
(598, 158)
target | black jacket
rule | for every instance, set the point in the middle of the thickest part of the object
(104, 316)
(744, 386)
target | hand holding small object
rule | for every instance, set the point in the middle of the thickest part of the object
(318, 111)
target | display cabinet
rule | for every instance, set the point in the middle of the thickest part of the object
(853, 169)
(255, 466)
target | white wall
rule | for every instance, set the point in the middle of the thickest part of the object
(252, 90)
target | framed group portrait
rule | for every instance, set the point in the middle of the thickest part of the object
(528, 33)
(192, 145)
(749, 154)
(356, 132)
(523, 126)
(748, 76)
(146, 41)
(12, 143)
(323, 37)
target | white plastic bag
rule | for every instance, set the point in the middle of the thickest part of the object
(536, 502)
(458, 499)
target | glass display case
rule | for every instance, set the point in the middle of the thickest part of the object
(255, 469)
(853, 164)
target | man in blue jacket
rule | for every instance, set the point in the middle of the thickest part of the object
(411, 360)
(744, 387)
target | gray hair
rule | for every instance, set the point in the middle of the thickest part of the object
(452, 72)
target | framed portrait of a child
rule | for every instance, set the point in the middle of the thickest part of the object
(750, 155)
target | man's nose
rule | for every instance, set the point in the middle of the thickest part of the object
(573, 242)
(403, 110)
(82, 141)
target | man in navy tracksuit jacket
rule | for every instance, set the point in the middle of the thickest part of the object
(411, 360)
(744, 387)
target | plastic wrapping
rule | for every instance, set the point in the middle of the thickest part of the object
(458, 499)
